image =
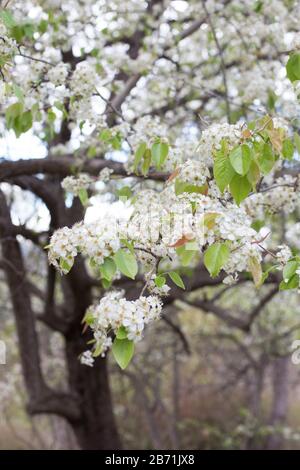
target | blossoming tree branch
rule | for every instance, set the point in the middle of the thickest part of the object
(186, 112)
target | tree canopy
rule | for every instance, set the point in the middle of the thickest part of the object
(182, 120)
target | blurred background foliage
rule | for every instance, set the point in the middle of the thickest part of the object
(194, 384)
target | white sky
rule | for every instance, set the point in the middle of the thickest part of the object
(36, 215)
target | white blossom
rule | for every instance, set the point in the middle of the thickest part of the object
(114, 312)
(87, 359)
(284, 254)
(74, 184)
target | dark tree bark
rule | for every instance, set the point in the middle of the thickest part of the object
(280, 400)
(97, 428)
(88, 405)
(256, 385)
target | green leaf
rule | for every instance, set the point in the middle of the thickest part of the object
(43, 26)
(223, 171)
(186, 253)
(25, 121)
(18, 92)
(121, 333)
(257, 224)
(62, 108)
(123, 350)
(240, 187)
(215, 257)
(176, 278)
(146, 162)
(128, 245)
(51, 116)
(256, 270)
(64, 265)
(92, 152)
(253, 174)
(83, 196)
(124, 193)
(179, 186)
(18, 120)
(159, 153)
(140, 151)
(17, 32)
(36, 113)
(116, 142)
(266, 159)
(297, 142)
(7, 18)
(160, 281)
(258, 6)
(183, 187)
(105, 135)
(272, 97)
(293, 67)
(289, 270)
(88, 318)
(292, 283)
(98, 350)
(240, 159)
(108, 269)
(12, 112)
(288, 149)
(126, 263)
(29, 30)
(106, 283)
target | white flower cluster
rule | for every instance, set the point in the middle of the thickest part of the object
(296, 41)
(293, 235)
(105, 174)
(283, 195)
(8, 48)
(194, 172)
(96, 240)
(240, 256)
(87, 359)
(284, 254)
(58, 74)
(182, 150)
(114, 312)
(257, 84)
(73, 184)
(170, 219)
(211, 138)
(81, 110)
(231, 279)
(142, 63)
(154, 289)
(84, 80)
(146, 129)
(62, 248)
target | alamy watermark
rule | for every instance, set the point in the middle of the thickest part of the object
(2, 353)
(296, 352)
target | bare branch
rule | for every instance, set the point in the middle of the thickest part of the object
(64, 166)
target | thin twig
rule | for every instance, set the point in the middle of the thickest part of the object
(43, 61)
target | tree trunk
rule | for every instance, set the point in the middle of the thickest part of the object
(280, 400)
(88, 405)
(255, 393)
(96, 429)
